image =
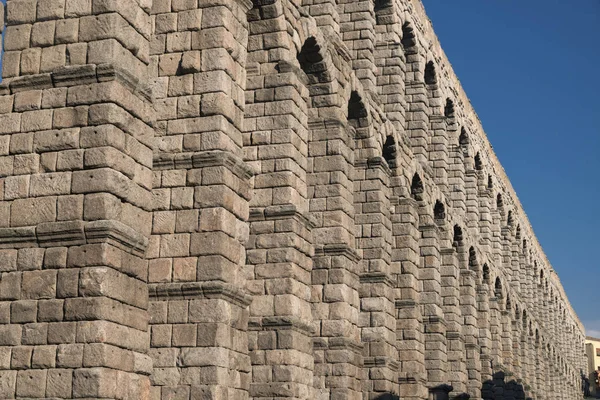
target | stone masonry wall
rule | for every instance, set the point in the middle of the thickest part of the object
(267, 199)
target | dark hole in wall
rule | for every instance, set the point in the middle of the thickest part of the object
(384, 12)
(472, 258)
(490, 182)
(478, 163)
(439, 211)
(457, 240)
(355, 106)
(382, 5)
(388, 396)
(416, 188)
(449, 109)
(498, 287)
(310, 58)
(430, 75)
(389, 151)
(463, 139)
(408, 38)
(262, 3)
(486, 273)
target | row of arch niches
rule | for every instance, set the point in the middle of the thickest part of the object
(312, 62)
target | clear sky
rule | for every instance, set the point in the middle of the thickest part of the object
(531, 69)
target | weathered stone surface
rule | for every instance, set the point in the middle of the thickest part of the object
(259, 200)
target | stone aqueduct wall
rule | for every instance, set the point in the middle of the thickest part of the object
(214, 199)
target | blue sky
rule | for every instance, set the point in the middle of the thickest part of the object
(530, 69)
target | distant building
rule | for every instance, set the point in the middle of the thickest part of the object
(592, 350)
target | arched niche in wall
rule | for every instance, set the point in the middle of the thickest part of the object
(409, 41)
(449, 109)
(463, 138)
(389, 152)
(416, 188)
(430, 76)
(310, 57)
(486, 274)
(498, 288)
(478, 162)
(499, 202)
(439, 211)
(388, 396)
(473, 265)
(358, 114)
(457, 238)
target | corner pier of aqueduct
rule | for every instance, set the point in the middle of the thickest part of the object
(225, 199)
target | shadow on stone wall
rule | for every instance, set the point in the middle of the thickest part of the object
(388, 396)
(499, 389)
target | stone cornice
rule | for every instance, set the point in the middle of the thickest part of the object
(340, 249)
(342, 343)
(76, 75)
(467, 272)
(434, 319)
(370, 362)
(281, 323)
(473, 346)
(273, 213)
(374, 162)
(75, 233)
(199, 290)
(454, 335)
(407, 379)
(213, 158)
(448, 251)
(406, 303)
(376, 277)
